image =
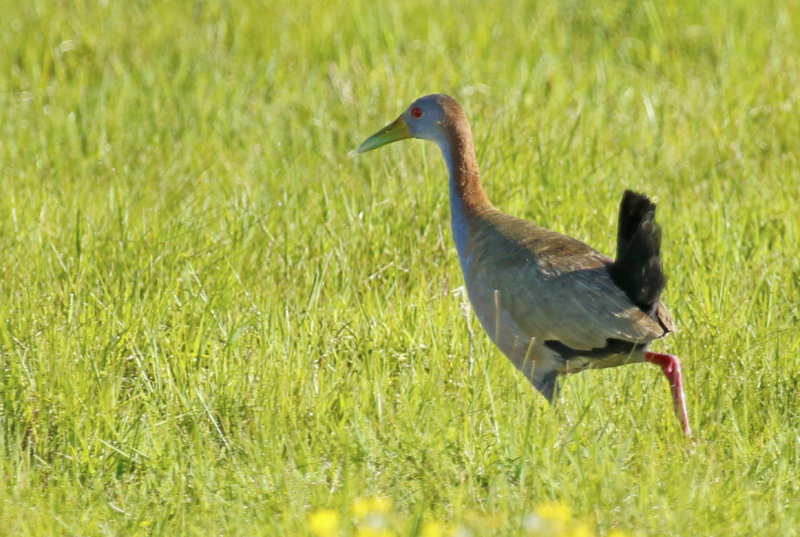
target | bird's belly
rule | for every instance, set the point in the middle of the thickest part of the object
(519, 347)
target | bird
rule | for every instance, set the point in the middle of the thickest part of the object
(552, 304)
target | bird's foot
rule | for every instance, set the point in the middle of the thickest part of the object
(671, 366)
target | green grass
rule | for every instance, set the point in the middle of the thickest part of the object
(215, 320)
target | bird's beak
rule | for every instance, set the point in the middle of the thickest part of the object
(398, 130)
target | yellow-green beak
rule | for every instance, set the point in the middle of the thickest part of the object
(398, 130)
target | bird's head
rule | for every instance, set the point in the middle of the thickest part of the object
(427, 118)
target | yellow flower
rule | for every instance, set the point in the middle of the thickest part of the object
(554, 512)
(616, 532)
(432, 529)
(373, 504)
(323, 522)
(579, 530)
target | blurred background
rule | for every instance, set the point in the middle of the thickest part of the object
(215, 318)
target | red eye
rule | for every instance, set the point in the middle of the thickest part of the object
(416, 112)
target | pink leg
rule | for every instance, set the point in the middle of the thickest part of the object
(671, 367)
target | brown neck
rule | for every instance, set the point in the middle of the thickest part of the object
(465, 178)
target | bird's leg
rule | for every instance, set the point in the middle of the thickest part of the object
(671, 367)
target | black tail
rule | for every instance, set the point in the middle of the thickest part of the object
(637, 269)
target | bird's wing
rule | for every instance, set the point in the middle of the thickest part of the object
(581, 309)
(555, 287)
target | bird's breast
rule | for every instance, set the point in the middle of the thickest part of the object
(460, 225)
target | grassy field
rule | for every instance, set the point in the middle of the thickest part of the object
(214, 320)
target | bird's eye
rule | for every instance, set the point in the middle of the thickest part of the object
(416, 112)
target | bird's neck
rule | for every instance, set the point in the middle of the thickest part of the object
(467, 198)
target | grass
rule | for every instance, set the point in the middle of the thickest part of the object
(214, 320)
